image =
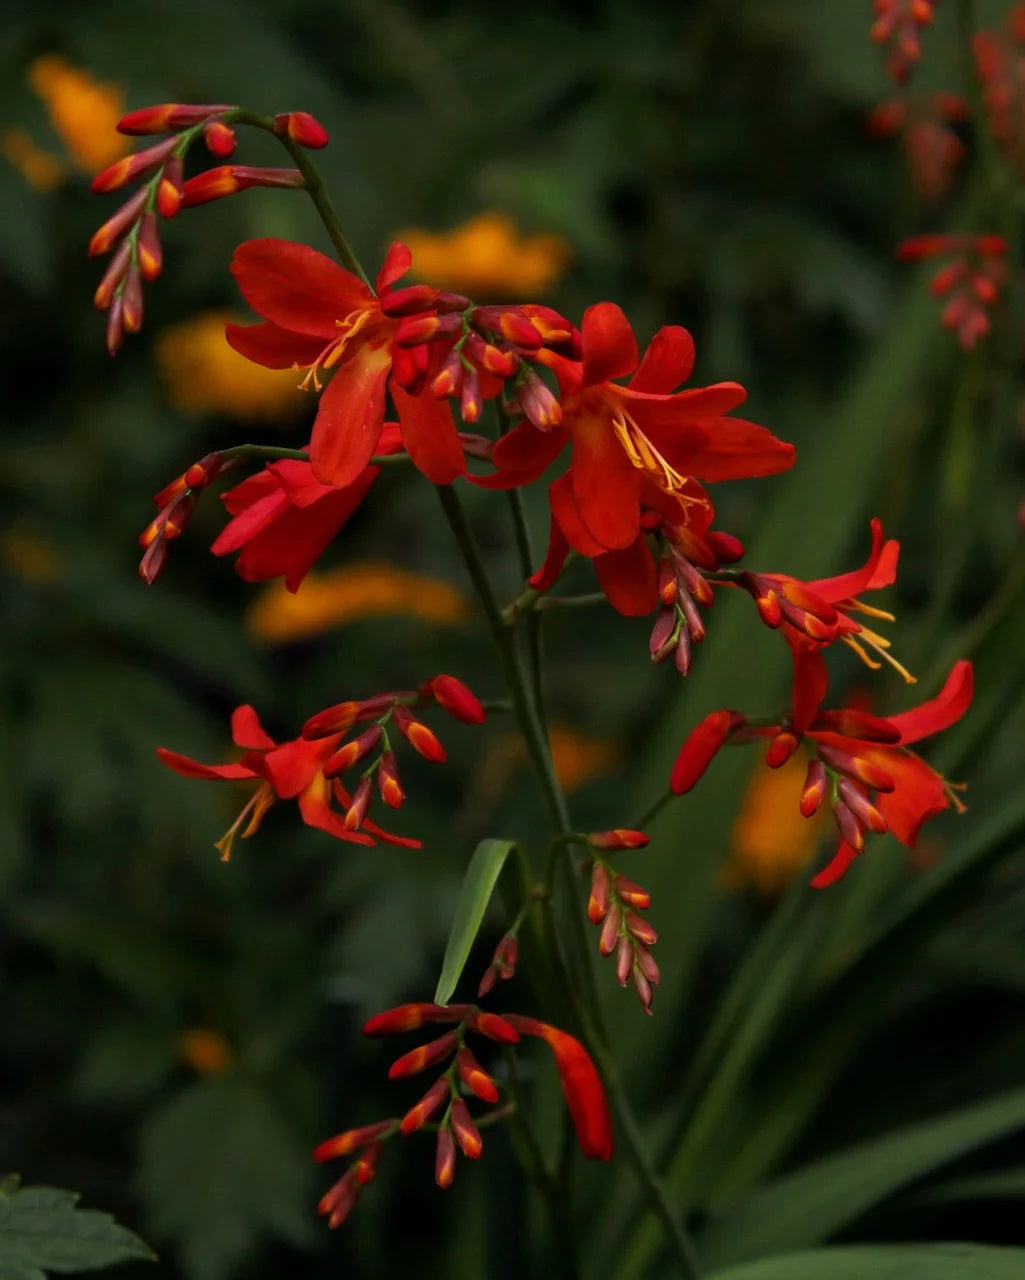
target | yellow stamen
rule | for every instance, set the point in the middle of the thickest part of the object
(643, 454)
(950, 788)
(255, 808)
(881, 646)
(332, 353)
(856, 606)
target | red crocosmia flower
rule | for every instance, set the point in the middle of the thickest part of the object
(933, 149)
(811, 615)
(286, 771)
(325, 319)
(862, 762)
(621, 435)
(971, 281)
(581, 1086)
(285, 518)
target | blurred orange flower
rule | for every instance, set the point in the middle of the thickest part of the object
(39, 168)
(29, 557)
(579, 757)
(207, 1052)
(83, 112)
(486, 256)
(203, 374)
(772, 842)
(339, 596)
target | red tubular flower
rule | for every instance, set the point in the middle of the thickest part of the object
(408, 1017)
(227, 179)
(176, 502)
(971, 281)
(285, 771)
(624, 434)
(700, 749)
(284, 518)
(934, 151)
(322, 317)
(581, 1086)
(169, 116)
(456, 698)
(344, 1144)
(301, 127)
(812, 615)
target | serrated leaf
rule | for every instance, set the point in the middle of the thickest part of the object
(478, 883)
(816, 1201)
(221, 1171)
(897, 1262)
(41, 1227)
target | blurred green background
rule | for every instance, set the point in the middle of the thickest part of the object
(177, 1034)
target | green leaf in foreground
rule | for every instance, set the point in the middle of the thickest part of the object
(897, 1262)
(478, 883)
(42, 1230)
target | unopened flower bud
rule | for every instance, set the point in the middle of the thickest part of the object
(609, 935)
(645, 961)
(115, 226)
(423, 1056)
(475, 1077)
(856, 799)
(781, 748)
(445, 1159)
(465, 1131)
(624, 959)
(494, 1027)
(343, 1144)
(170, 188)
(220, 139)
(417, 1116)
(151, 258)
(134, 166)
(422, 739)
(814, 790)
(664, 634)
(456, 699)
(643, 987)
(227, 179)
(849, 827)
(388, 783)
(167, 116)
(598, 902)
(359, 806)
(112, 277)
(350, 753)
(301, 127)
(618, 838)
(632, 894)
(640, 929)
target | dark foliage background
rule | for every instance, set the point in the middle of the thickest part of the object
(708, 164)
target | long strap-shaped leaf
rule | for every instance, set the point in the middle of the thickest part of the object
(897, 1262)
(478, 884)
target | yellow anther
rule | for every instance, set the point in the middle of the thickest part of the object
(643, 454)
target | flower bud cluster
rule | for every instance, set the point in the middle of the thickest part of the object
(373, 743)
(502, 966)
(971, 281)
(899, 24)
(175, 502)
(682, 587)
(1000, 66)
(614, 904)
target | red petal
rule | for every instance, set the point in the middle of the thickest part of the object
(371, 828)
(606, 485)
(608, 345)
(555, 558)
(315, 807)
(567, 513)
(350, 417)
(248, 732)
(667, 363)
(738, 450)
(296, 287)
(271, 346)
(430, 436)
(193, 769)
(938, 713)
(251, 521)
(879, 570)
(581, 1087)
(920, 792)
(836, 869)
(396, 263)
(630, 579)
(697, 752)
(291, 767)
(811, 681)
(523, 455)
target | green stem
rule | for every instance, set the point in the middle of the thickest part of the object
(314, 186)
(570, 602)
(502, 627)
(652, 812)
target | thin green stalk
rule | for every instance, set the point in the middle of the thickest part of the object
(315, 188)
(555, 803)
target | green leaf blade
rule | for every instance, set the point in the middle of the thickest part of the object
(478, 884)
(898, 1262)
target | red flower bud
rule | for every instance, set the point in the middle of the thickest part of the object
(465, 1131)
(220, 139)
(645, 961)
(475, 1077)
(858, 768)
(417, 1116)
(343, 1144)
(849, 827)
(618, 838)
(131, 301)
(781, 748)
(301, 127)
(631, 893)
(814, 788)
(115, 226)
(700, 747)
(471, 401)
(609, 935)
(456, 699)
(598, 903)
(407, 1017)
(134, 166)
(227, 179)
(112, 277)
(424, 1055)
(445, 1159)
(410, 300)
(365, 1167)
(337, 1204)
(360, 805)
(494, 1027)
(855, 798)
(624, 959)
(167, 116)
(337, 719)
(170, 189)
(151, 257)
(388, 783)
(351, 753)
(639, 928)
(417, 734)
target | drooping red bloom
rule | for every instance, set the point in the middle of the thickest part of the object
(934, 151)
(899, 24)
(862, 760)
(320, 317)
(284, 518)
(285, 771)
(971, 280)
(624, 435)
(581, 1086)
(812, 615)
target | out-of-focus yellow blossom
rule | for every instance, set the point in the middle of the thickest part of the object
(338, 596)
(579, 757)
(30, 558)
(486, 257)
(772, 842)
(83, 112)
(203, 374)
(39, 168)
(207, 1052)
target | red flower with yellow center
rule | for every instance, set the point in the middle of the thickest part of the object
(286, 771)
(320, 317)
(623, 436)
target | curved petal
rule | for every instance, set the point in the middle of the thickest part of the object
(630, 579)
(372, 829)
(700, 748)
(522, 456)
(296, 287)
(193, 769)
(250, 522)
(836, 868)
(291, 767)
(811, 681)
(396, 263)
(668, 361)
(567, 514)
(608, 345)
(920, 792)
(738, 450)
(607, 486)
(555, 557)
(879, 570)
(949, 705)
(315, 807)
(271, 346)
(350, 417)
(248, 732)
(430, 436)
